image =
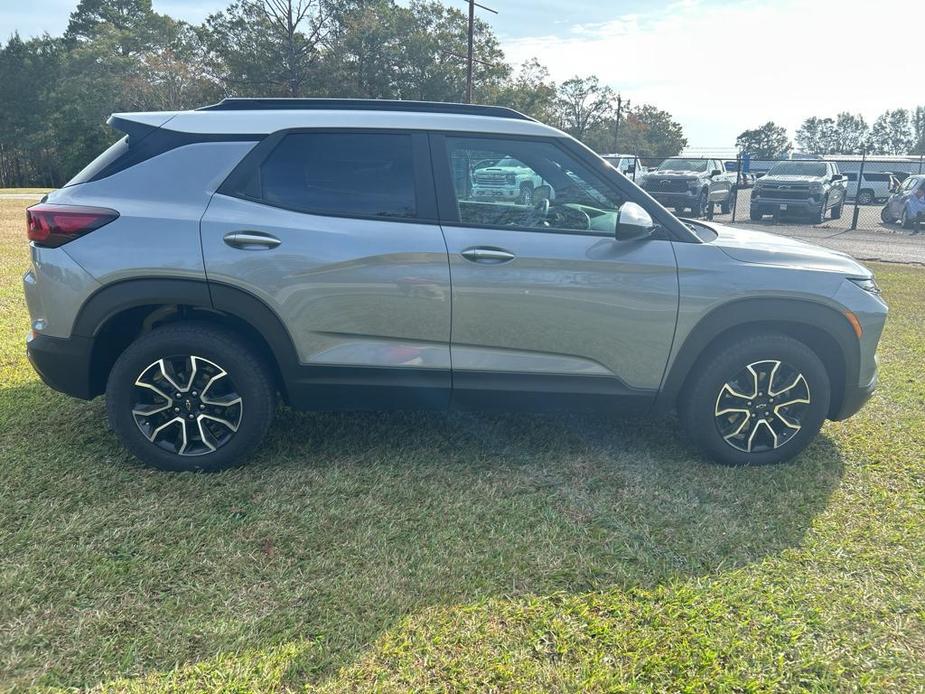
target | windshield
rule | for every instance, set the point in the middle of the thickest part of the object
(683, 165)
(797, 168)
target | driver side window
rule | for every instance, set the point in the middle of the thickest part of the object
(528, 185)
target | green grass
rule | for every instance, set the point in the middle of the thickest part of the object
(427, 552)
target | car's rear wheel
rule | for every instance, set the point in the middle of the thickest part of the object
(885, 215)
(190, 397)
(837, 210)
(759, 401)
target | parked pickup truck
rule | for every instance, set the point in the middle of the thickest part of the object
(507, 180)
(626, 164)
(695, 184)
(806, 188)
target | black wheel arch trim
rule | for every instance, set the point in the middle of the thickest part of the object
(746, 314)
(118, 297)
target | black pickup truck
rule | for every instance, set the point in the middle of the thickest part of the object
(695, 184)
(804, 188)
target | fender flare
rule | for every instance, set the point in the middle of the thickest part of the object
(117, 297)
(745, 314)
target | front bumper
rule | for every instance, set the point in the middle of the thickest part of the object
(62, 363)
(686, 199)
(495, 193)
(778, 206)
(854, 399)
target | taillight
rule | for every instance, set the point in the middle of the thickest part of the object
(53, 225)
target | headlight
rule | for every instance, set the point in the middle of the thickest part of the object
(868, 284)
(694, 185)
(815, 188)
(756, 191)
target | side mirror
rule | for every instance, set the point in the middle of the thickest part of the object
(633, 223)
(716, 172)
(838, 177)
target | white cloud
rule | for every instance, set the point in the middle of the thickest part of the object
(723, 68)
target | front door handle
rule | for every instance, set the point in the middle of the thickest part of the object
(251, 240)
(490, 256)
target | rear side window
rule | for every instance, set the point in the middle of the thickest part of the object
(350, 174)
(115, 152)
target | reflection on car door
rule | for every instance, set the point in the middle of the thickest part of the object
(336, 232)
(546, 303)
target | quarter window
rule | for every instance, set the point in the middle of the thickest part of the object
(530, 185)
(352, 174)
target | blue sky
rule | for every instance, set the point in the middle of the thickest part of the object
(718, 67)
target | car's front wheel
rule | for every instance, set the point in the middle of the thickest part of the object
(526, 194)
(702, 208)
(190, 397)
(726, 205)
(818, 216)
(759, 401)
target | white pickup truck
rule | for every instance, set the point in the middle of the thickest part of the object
(506, 179)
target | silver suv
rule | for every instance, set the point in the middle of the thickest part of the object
(333, 255)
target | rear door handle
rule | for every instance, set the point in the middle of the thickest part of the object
(251, 240)
(490, 256)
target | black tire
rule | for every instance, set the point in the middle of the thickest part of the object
(204, 351)
(885, 216)
(703, 204)
(701, 401)
(838, 209)
(755, 215)
(818, 217)
(526, 194)
(726, 206)
(865, 197)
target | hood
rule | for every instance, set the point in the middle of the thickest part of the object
(792, 179)
(762, 248)
(671, 173)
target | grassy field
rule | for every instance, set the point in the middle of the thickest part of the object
(427, 552)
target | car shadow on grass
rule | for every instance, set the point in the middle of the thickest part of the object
(343, 524)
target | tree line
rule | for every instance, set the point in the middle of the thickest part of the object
(895, 132)
(120, 55)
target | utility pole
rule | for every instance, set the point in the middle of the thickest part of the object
(470, 58)
(616, 130)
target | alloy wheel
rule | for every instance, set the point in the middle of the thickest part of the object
(186, 405)
(762, 407)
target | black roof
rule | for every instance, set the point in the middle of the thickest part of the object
(242, 104)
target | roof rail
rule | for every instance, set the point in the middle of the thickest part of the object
(244, 104)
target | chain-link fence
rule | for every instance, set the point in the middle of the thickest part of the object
(867, 193)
